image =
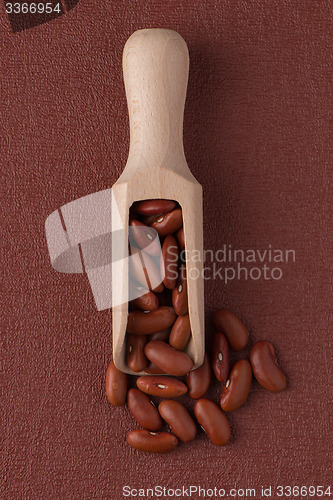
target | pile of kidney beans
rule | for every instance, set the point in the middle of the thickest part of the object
(158, 331)
(158, 321)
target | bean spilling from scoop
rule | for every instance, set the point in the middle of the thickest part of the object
(159, 334)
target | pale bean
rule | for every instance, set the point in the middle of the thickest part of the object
(145, 237)
(144, 271)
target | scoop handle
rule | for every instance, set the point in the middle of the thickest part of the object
(155, 67)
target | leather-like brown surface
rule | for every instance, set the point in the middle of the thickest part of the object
(257, 138)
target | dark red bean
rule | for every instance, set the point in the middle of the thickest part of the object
(232, 327)
(198, 381)
(237, 387)
(146, 323)
(145, 237)
(163, 335)
(213, 421)
(180, 332)
(169, 262)
(152, 442)
(180, 239)
(147, 302)
(161, 386)
(265, 367)
(136, 359)
(179, 295)
(179, 420)
(143, 410)
(167, 358)
(116, 385)
(168, 223)
(164, 297)
(220, 355)
(153, 207)
(148, 220)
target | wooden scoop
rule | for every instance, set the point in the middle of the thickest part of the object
(155, 66)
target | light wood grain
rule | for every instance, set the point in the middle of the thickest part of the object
(155, 66)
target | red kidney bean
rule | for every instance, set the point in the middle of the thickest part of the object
(143, 410)
(163, 298)
(169, 262)
(233, 329)
(145, 237)
(213, 421)
(116, 385)
(179, 295)
(237, 387)
(161, 386)
(179, 420)
(220, 355)
(152, 442)
(148, 220)
(147, 302)
(265, 367)
(143, 269)
(167, 358)
(146, 323)
(180, 332)
(182, 272)
(181, 239)
(168, 223)
(136, 359)
(163, 335)
(153, 207)
(198, 381)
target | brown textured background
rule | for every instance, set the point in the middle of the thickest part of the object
(257, 138)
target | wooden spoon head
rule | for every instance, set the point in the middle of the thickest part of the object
(159, 183)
